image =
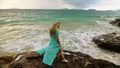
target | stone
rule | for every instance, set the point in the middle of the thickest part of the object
(108, 41)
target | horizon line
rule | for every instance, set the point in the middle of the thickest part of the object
(62, 9)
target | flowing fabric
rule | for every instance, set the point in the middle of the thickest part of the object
(51, 50)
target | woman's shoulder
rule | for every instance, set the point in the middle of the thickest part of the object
(56, 32)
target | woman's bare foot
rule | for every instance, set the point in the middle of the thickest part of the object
(65, 61)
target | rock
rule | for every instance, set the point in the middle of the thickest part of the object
(5, 60)
(108, 41)
(32, 55)
(116, 22)
(76, 60)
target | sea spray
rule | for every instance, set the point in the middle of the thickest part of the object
(25, 30)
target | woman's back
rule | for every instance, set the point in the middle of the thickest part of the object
(53, 40)
(51, 50)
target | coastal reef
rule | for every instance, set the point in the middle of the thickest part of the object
(34, 60)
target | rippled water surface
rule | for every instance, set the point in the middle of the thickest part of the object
(27, 30)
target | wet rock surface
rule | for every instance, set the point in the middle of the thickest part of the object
(76, 60)
(5, 60)
(108, 41)
(116, 22)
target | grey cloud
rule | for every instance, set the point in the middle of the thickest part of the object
(80, 3)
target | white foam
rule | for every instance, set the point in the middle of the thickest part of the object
(34, 37)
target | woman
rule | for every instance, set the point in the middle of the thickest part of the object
(51, 50)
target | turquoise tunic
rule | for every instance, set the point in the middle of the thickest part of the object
(51, 50)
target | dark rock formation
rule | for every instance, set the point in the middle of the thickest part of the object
(108, 41)
(116, 22)
(5, 60)
(76, 60)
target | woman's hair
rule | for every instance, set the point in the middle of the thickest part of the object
(53, 28)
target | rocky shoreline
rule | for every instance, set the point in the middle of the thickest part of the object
(108, 41)
(76, 59)
(116, 22)
(34, 60)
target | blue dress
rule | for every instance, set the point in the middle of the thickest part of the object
(51, 50)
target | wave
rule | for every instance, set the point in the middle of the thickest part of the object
(34, 37)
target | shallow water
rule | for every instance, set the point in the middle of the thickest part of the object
(24, 31)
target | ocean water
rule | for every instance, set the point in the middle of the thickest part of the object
(28, 30)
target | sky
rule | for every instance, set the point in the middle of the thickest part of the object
(61, 4)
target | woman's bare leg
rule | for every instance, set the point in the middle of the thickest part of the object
(63, 58)
(61, 52)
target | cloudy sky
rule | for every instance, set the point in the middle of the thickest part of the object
(60, 4)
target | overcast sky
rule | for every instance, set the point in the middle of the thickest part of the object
(60, 4)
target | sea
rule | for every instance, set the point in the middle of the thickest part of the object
(24, 30)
